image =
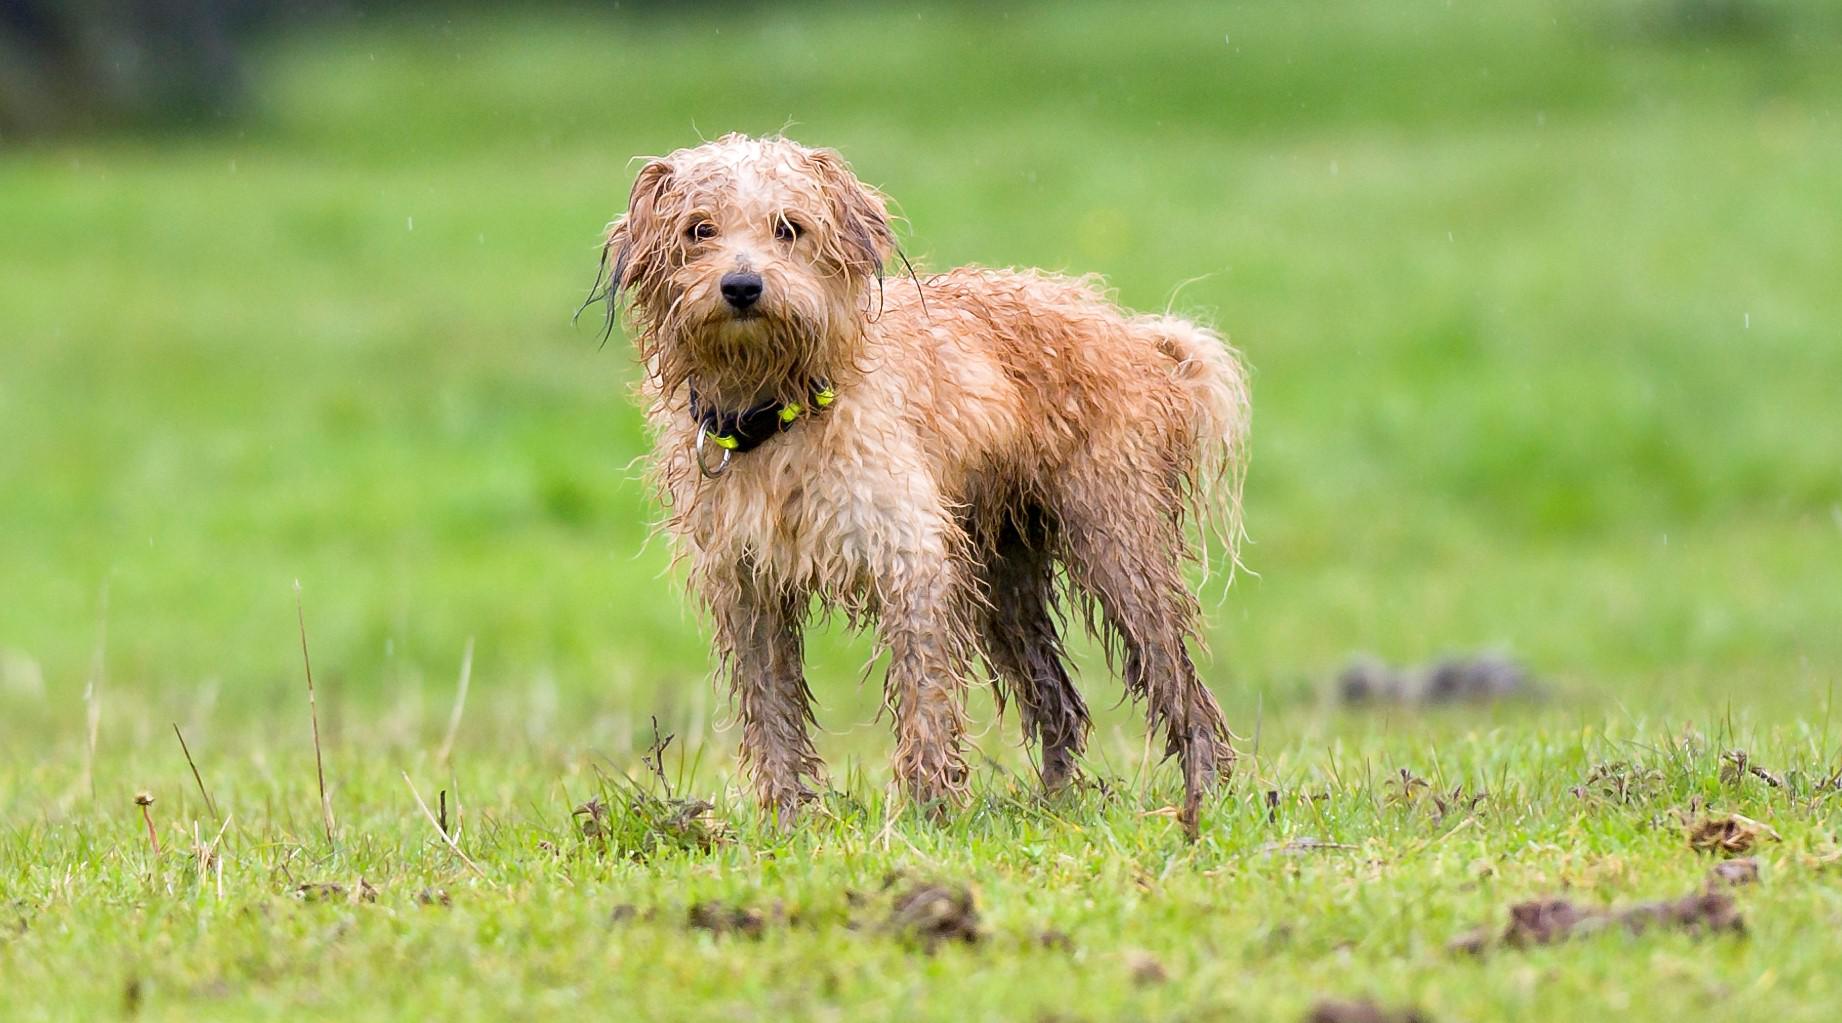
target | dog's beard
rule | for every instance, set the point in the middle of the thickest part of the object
(735, 362)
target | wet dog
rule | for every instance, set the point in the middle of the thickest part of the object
(949, 458)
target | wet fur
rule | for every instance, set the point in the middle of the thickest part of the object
(1003, 442)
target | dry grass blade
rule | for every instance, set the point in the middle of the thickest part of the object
(313, 713)
(210, 804)
(460, 704)
(92, 693)
(208, 857)
(445, 837)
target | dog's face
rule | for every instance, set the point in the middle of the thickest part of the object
(746, 262)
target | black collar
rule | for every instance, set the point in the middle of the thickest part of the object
(748, 429)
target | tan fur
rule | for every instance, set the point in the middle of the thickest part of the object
(990, 426)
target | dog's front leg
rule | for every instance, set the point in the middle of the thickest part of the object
(761, 648)
(927, 628)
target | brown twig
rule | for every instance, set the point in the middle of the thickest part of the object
(445, 837)
(460, 704)
(313, 712)
(654, 757)
(210, 804)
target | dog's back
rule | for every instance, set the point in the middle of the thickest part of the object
(1026, 372)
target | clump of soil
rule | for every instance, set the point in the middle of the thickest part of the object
(1365, 1011)
(724, 918)
(1734, 873)
(935, 914)
(1547, 921)
(1727, 834)
(1147, 970)
(1481, 678)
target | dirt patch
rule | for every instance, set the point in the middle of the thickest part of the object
(1364, 1011)
(1548, 921)
(434, 897)
(1727, 834)
(935, 914)
(1482, 678)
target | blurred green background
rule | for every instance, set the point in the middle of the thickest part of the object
(1542, 299)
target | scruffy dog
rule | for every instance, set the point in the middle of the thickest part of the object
(943, 456)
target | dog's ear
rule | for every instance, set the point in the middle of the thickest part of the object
(861, 214)
(636, 232)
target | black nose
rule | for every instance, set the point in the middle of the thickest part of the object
(742, 288)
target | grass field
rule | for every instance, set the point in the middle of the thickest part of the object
(1542, 303)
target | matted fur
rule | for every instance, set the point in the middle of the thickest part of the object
(1002, 440)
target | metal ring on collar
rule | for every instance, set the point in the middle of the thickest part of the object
(703, 464)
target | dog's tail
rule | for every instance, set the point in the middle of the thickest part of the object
(1212, 376)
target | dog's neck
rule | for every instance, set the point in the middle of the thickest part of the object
(748, 380)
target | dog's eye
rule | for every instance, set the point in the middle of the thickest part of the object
(701, 231)
(786, 230)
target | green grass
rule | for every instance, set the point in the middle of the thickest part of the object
(1542, 306)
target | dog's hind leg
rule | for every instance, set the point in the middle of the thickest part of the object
(1125, 547)
(759, 643)
(1024, 648)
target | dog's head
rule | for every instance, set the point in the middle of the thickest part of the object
(747, 264)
